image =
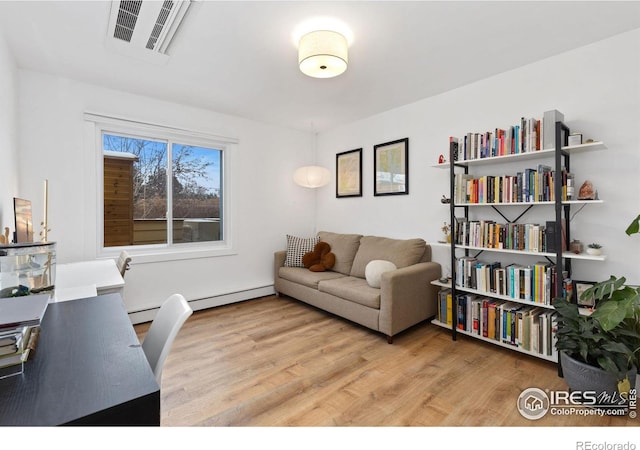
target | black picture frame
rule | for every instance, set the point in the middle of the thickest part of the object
(349, 173)
(578, 289)
(391, 168)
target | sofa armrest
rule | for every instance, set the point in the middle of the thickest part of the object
(279, 258)
(407, 296)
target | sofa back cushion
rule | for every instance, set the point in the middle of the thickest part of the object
(401, 252)
(344, 246)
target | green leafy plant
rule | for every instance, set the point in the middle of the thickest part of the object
(634, 226)
(594, 245)
(609, 338)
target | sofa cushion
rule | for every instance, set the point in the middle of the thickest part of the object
(374, 270)
(296, 248)
(344, 246)
(352, 289)
(305, 276)
(401, 252)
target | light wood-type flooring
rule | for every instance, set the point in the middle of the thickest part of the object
(275, 361)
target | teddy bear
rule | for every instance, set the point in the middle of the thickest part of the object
(320, 259)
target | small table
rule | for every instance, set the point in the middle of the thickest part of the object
(88, 369)
(103, 273)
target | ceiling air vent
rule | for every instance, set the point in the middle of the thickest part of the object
(145, 28)
(126, 21)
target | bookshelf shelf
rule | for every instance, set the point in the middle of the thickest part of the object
(498, 343)
(463, 308)
(548, 153)
(492, 295)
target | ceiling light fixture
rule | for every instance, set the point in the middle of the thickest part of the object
(323, 54)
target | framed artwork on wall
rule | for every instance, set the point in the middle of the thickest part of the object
(391, 168)
(349, 174)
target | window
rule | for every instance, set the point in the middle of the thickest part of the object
(161, 188)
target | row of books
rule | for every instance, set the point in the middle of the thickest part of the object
(531, 237)
(536, 283)
(16, 346)
(528, 327)
(530, 185)
(528, 135)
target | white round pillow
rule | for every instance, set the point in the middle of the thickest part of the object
(375, 269)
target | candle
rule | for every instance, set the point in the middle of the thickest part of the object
(46, 210)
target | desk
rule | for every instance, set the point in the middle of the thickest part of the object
(89, 369)
(102, 273)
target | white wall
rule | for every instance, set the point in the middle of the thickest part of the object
(8, 135)
(267, 203)
(597, 87)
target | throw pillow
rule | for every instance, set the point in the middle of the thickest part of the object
(375, 269)
(296, 248)
(320, 259)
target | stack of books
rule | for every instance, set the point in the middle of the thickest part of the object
(19, 331)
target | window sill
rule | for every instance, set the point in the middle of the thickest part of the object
(145, 254)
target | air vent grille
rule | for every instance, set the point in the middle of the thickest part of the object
(126, 21)
(167, 6)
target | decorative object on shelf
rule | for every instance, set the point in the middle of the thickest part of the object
(575, 246)
(594, 249)
(446, 231)
(607, 340)
(445, 200)
(45, 220)
(23, 221)
(580, 287)
(4, 238)
(323, 54)
(441, 159)
(349, 174)
(587, 192)
(391, 168)
(575, 139)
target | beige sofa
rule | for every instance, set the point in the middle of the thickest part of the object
(405, 297)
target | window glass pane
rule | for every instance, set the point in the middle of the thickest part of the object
(196, 189)
(135, 191)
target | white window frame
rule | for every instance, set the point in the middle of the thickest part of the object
(166, 251)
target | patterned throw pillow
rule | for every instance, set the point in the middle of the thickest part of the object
(297, 247)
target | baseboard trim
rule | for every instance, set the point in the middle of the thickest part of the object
(147, 315)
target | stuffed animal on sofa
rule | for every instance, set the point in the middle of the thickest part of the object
(320, 259)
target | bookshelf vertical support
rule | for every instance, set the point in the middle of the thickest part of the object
(562, 137)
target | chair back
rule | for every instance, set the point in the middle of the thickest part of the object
(165, 327)
(123, 262)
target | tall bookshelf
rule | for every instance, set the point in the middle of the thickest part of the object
(559, 259)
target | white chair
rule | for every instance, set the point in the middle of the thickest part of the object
(165, 327)
(123, 262)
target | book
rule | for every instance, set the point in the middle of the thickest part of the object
(22, 311)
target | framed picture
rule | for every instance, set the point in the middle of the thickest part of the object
(579, 287)
(349, 174)
(391, 168)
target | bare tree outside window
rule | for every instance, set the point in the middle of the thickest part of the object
(193, 208)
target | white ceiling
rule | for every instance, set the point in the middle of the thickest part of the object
(239, 57)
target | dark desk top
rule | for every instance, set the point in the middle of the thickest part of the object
(88, 362)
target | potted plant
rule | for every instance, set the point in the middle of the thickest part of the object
(594, 249)
(601, 351)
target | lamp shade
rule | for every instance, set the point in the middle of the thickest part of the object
(312, 176)
(323, 54)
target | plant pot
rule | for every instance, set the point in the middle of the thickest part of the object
(582, 377)
(594, 251)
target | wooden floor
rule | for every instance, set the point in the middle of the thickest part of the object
(278, 362)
